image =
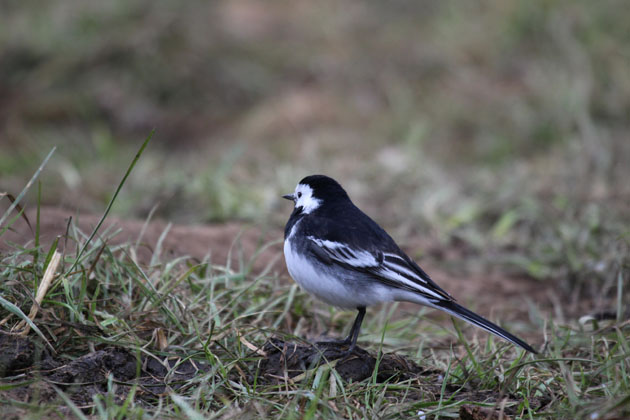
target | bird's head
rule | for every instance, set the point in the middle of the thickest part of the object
(313, 191)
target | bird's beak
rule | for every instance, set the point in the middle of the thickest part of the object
(289, 197)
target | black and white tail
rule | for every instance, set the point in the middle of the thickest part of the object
(463, 313)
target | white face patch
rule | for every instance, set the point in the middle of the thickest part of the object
(304, 198)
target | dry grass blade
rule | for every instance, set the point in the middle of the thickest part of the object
(251, 346)
(47, 279)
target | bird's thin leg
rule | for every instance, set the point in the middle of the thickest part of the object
(351, 339)
(354, 331)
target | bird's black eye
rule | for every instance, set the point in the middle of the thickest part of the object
(299, 194)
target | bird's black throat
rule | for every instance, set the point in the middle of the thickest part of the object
(295, 217)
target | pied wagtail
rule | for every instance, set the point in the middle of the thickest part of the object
(338, 254)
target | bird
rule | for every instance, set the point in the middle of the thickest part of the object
(338, 254)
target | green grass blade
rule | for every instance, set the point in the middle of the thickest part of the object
(17, 311)
(16, 202)
(73, 407)
(113, 199)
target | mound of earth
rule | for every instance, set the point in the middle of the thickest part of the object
(284, 359)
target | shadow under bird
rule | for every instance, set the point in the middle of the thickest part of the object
(340, 255)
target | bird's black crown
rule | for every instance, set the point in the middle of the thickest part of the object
(324, 186)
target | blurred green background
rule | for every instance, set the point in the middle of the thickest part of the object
(498, 128)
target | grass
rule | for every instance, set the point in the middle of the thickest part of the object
(212, 314)
(218, 316)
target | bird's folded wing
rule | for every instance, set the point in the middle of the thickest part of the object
(391, 269)
(335, 252)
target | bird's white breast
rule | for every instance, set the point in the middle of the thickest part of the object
(327, 285)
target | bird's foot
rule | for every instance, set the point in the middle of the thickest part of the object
(336, 349)
(333, 343)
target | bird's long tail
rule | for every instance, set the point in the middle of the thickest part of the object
(467, 315)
